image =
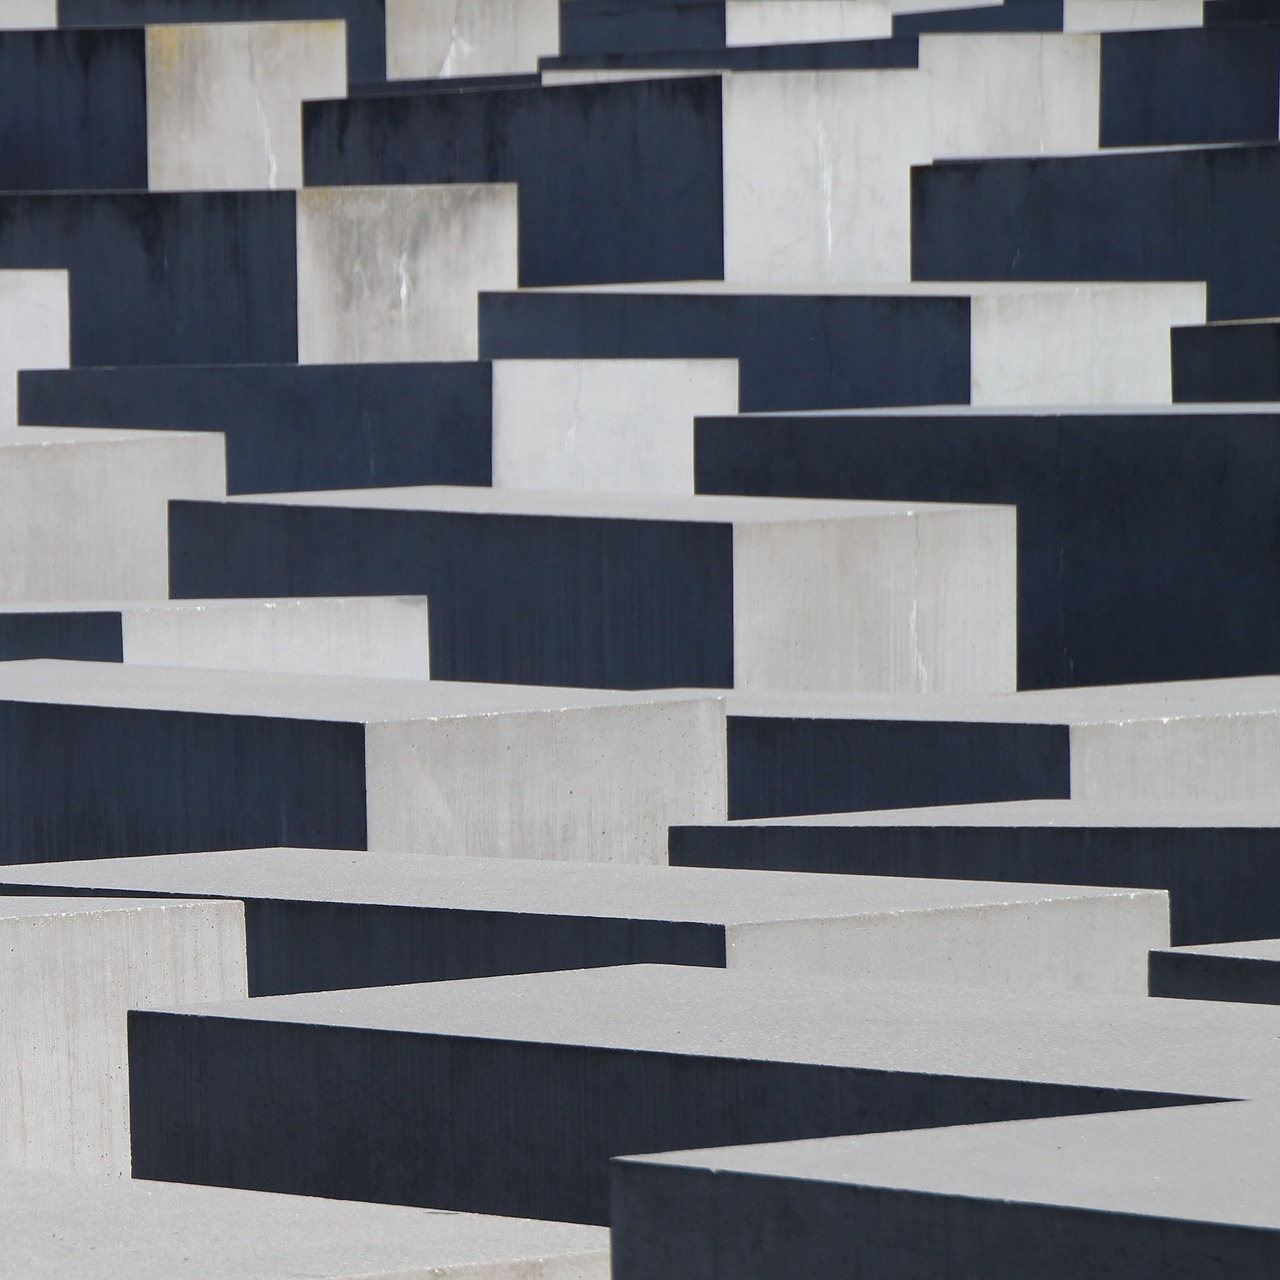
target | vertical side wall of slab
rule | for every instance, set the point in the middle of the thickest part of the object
(434, 39)
(35, 331)
(67, 981)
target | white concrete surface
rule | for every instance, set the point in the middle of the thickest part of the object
(104, 1229)
(35, 332)
(436, 39)
(84, 514)
(1130, 15)
(621, 425)
(392, 273)
(957, 932)
(841, 596)
(224, 101)
(19, 15)
(70, 969)
(756, 22)
(477, 769)
(817, 163)
(357, 636)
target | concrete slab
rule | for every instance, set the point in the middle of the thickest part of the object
(635, 1059)
(320, 920)
(292, 427)
(1115, 206)
(534, 587)
(84, 513)
(30, 13)
(1107, 502)
(1201, 742)
(391, 273)
(1236, 971)
(780, 340)
(447, 38)
(110, 760)
(1144, 15)
(756, 22)
(224, 101)
(71, 970)
(356, 636)
(365, 20)
(34, 331)
(98, 1229)
(1219, 862)
(150, 280)
(617, 182)
(1185, 1192)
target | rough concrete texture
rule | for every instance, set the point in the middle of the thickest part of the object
(625, 426)
(84, 513)
(100, 1229)
(460, 917)
(636, 1059)
(428, 39)
(71, 969)
(221, 759)
(392, 273)
(924, 604)
(224, 101)
(35, 332)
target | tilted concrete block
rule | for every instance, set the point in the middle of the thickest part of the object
(360, 636)
(1107, 503)
(102, 1228)
(224, 101)
(319, 920)
(155, 760)
(34, 331)
(84, 514)
(1218, 862)
(1185, 1192)
(72, 968)
(427, 39)
(392, 273)
(640, 592)
(1242, 972)
(635, 1059)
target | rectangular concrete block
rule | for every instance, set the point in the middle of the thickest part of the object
(617, 182)
(110, 761)
(1107, 503)
(363, 636)
(293, 427)
(1184, 1192)
(72, 968)
(1008, 219)
(1229, 362)
(85, 515)
(34, 332)
(1217, 861)
(1145, 15)
(320, 920)
(624, 426)
(224, 101)
(794, 350)
(100, 1228)
(1241, 972)
(760, 22)
(430, 39)
(634, 1059)
(718, 592)
(392, 273)
(30, 13)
